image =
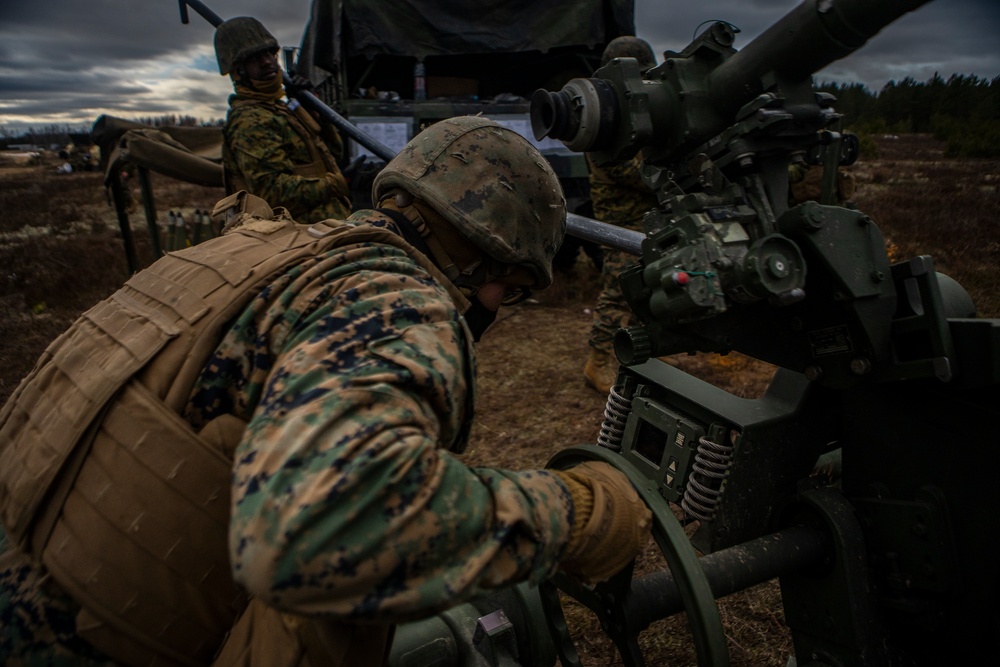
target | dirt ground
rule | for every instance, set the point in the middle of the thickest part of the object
(61, 251)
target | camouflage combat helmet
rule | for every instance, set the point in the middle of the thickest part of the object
(491, 184)
(629, 46)
(239, 38)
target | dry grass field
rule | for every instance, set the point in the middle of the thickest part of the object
(60, 251)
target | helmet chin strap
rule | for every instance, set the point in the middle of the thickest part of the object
(468, 274)
(404, 203)
(468, 279)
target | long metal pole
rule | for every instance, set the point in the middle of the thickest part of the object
(612, 236)
(577, 225)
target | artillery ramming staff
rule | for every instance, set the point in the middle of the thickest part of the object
(612, 236)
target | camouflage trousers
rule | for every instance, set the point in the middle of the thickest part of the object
(38, 629)
(611, 312)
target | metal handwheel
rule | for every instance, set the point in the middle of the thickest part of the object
(609, 599)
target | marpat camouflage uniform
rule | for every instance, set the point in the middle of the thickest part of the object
(266, 148)
(620, 197)
(350, 371)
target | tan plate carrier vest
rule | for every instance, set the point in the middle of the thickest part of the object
(106, 485)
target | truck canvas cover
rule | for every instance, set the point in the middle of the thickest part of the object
(394, 66)
(422, 28)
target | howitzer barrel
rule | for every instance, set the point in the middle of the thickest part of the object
(696, 94)
(807, 39)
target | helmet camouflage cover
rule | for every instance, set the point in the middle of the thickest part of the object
(629, 46)
(491, 184)
(239, 38)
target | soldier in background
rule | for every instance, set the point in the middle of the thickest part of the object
(620, 197)
(273, 149)
(252, 445)
(805, 183)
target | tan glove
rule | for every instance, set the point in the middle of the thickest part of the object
(612, 523)
(338, 183)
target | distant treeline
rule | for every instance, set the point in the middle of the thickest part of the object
(962, 110)
(182, 121)
(61, 135)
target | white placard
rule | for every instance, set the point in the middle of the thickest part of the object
(390, 133)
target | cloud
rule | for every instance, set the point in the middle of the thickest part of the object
(946, 37)
(67, 61)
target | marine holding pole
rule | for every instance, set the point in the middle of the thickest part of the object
(307, 98)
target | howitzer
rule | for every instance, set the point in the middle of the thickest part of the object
(884, 365)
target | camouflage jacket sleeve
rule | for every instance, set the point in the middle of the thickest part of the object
(265, 150)
(344, 501)
(619, 194)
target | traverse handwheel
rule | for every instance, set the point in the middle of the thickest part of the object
(609, 599)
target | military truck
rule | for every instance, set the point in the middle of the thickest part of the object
(392, 67)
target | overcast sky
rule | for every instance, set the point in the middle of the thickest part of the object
(65, 62)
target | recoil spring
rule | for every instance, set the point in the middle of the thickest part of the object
(704, 485)
(615, 414)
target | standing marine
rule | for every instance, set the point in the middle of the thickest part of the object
(248, 455)
(271, 148)
(620, 197)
